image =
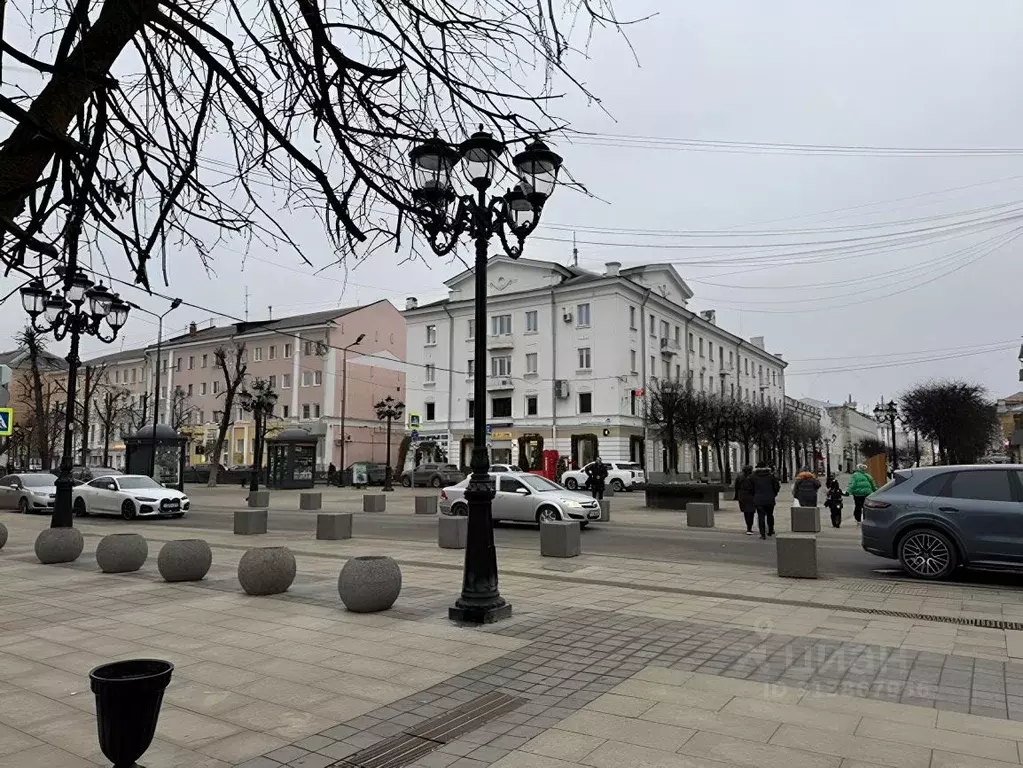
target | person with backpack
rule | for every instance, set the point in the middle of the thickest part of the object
(861, 485)
(744, 495)
(597, 475)
(765, 492)
(804, 489)
(833, 501)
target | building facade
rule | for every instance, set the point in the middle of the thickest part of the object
(569, 355)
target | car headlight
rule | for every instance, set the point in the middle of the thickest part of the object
(144, 498)
(571, 504)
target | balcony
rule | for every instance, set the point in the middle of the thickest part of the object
(496, 383)
(670, 346)
(726, 369)
(501, 341)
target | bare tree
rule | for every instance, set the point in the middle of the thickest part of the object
(181, 410)
(35, 344)
(957, 415)
(136, 414)
(234, 374)
(92, 376)
(664, 406)
(111, 408)
(259, 400)
(211, 101)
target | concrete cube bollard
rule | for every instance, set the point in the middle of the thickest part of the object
(332, 526)
(452, 531)
(699, 515)
(310, 500)
(426, 505)
(797, 555)
(250, 521)
(605, 511)
(259, 499)
(374, 502)
(560, 538)
(806, 520)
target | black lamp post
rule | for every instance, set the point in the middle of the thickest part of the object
(445, 216)
(80, 307)
(828, 442)
(887, 413)
(389, 410)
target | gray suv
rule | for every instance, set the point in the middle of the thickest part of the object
(935, 519)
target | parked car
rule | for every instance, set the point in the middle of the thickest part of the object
(435, 475)
(525, 497)
(504, 468)
(129, 496)
(85, 474)
(621, 476)
(28, 492)
(935, 519)
(377, 472)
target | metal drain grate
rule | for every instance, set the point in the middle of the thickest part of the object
(424, 738)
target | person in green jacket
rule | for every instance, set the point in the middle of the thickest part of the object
(861, 485)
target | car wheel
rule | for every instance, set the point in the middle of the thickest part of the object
(460, 510)
(406, 481)
(23, 505)
(79, 508)
(547, 515)
(435, 482)
(928, 554)
(128, 510)
(617, 486)
(571, 484)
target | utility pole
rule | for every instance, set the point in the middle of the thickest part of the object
(344, 407)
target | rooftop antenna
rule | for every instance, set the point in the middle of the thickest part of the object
(270, 309)
(575, 252)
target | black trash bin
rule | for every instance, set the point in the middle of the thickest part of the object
(129, 695)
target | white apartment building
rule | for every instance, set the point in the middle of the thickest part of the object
(570, 353)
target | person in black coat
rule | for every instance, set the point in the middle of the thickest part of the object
(765, 492)
(597, 475)
(744, 495)
(833, 501)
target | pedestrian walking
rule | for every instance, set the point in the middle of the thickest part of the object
(597, 475)
(744, 495)
(765, 492)
(331, 474)
(805, 487)
(861, 485)
(833, 501)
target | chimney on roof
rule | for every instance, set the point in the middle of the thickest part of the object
(757, 341)
(411, 302)
(710, 315)
(192, 328)
(612, 268)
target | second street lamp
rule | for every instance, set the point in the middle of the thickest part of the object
(512, 216)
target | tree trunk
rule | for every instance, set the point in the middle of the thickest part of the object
(218, 447)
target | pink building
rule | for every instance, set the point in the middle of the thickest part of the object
(304, 359)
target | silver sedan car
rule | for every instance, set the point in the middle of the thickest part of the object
(525, 497)
(29, 492)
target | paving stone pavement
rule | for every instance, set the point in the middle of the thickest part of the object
(576, 656)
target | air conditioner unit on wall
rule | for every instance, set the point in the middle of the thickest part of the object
(566, 316)
(561, 389)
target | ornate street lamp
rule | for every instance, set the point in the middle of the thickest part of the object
(445, 215)
(82, 308)
(886, 413)
(389, 410)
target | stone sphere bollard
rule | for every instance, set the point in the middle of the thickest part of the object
(59, 545)
(369, 584)
(266, 570)
(185, 560)
(3, 535)
(121, 553)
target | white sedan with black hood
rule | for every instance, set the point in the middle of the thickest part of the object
(129, 496)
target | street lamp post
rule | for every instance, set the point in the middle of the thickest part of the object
(445, 216)
(389, 410)
(80, 308)
(828, 442)
(344, 403)
(887, 413)
(156, 389)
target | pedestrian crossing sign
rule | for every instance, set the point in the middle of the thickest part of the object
(6, 422)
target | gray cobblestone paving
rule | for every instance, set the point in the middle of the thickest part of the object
(577, 655)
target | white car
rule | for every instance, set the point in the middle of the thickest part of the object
(524, 497)
(621, 476)
(129, 496)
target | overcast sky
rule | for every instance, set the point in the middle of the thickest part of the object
(865, 73)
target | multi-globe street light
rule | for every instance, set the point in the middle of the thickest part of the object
(445, 215)
(887, 413)
(81, 307)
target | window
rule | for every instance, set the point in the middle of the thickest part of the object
(585, 402)
(431, 411)
(531, 405)
(271, 352)
(531, 321)
(500, 407)
(191, 362)
(317, 378)
(241, 414)
(430, 373)
(117, 377)
(666, 369)
(747, 366)
(305, 411)
(287, 350)
(665, 329)
(692, 347)
(582, 314)
(653, 326)
(257, 355)
(500, 365)
(678, 371)
(239, 445)
(732, 393)
(653, 366)
(202, 388)
(316, 411)
(285, 381)
(531, 362)
(189, 392)
(307, 378)
(731, 357)
(710, 352)
(701, 347)
(500, 325)
(177, 365)
(273, 381)
(166, 362)
(204, 360)
(774, 377)
(632, 401)
(584, 359)
(983, 485)
(507, 484)
(285, 411)
(632, 360)
(216, 387)
(470, 409)
(632, 318)
(760, 375)
(431, 334)
(472, 329)
(470, 367)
